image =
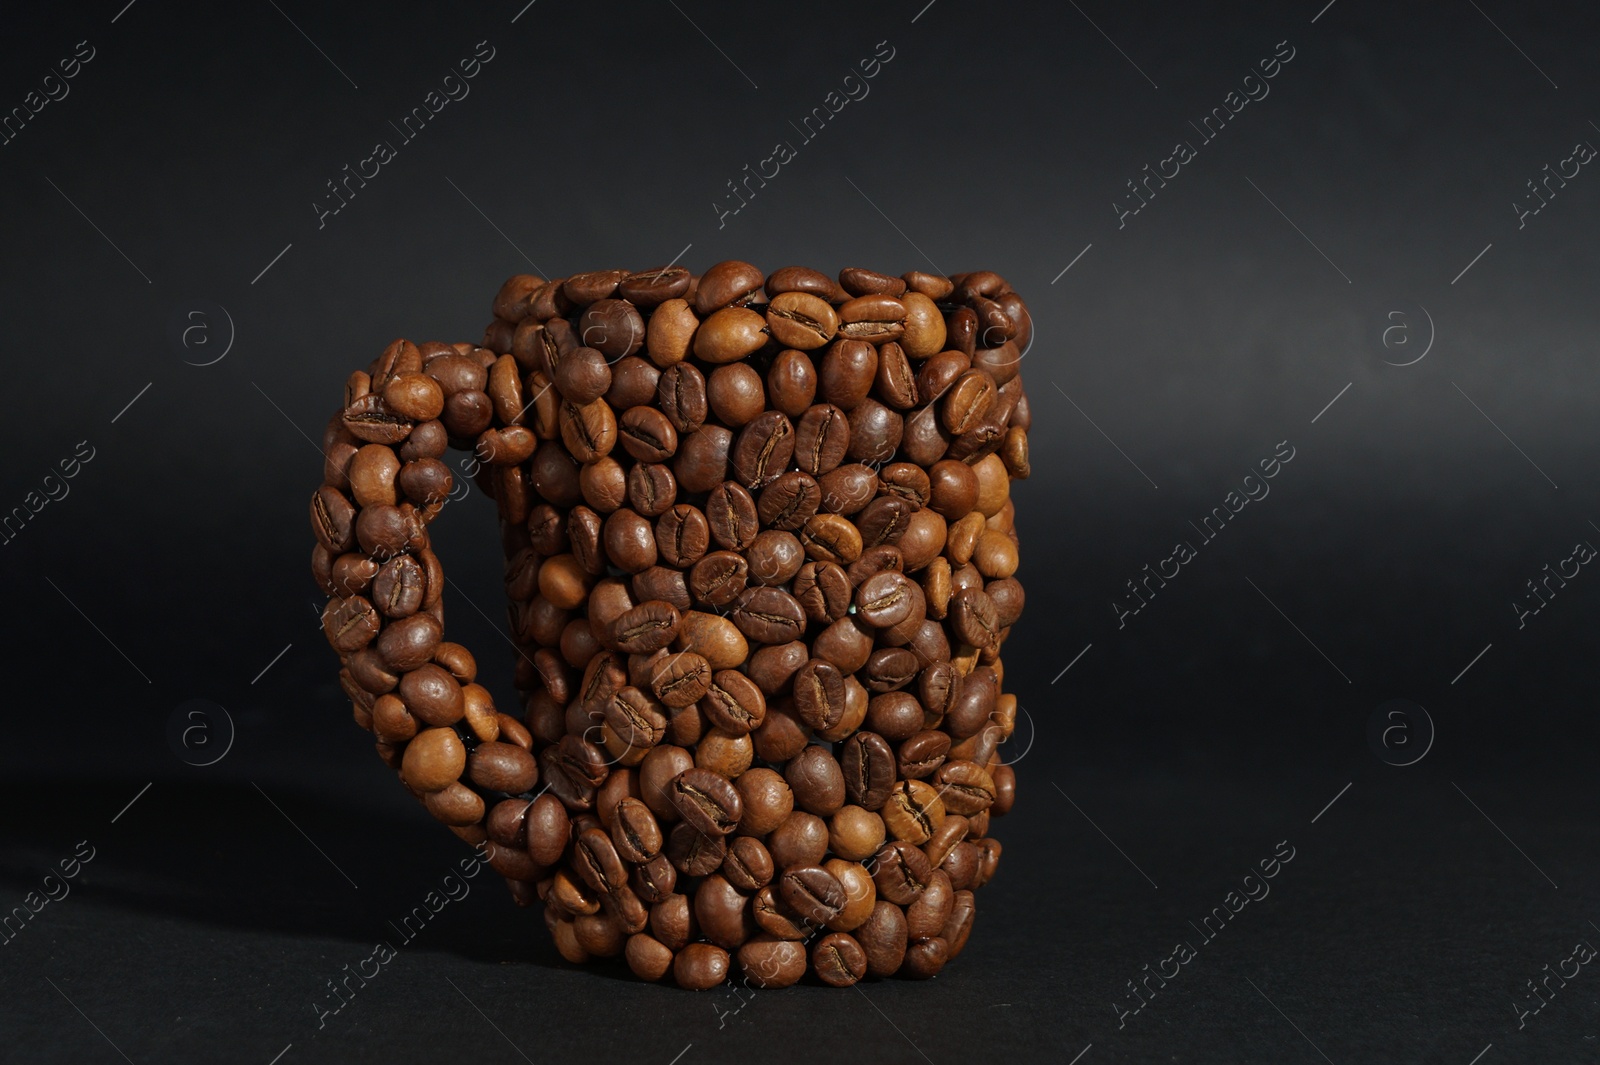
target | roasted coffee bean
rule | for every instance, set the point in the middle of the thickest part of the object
(707, 801)
(502, 767)
(816, 780)
(901, 873)
(839, 960)
(654, 881)
(802, 839)
(925, 918)
(847, 643)
(848, 489)
(717, 638)
(635, 832)
(789, 501)
(769, 615)
(875, 432)
(907, 481)
(648, 957)
(763, 449)
(733, 703)
(748, 865)
(650, 288)
(692, 852)
(883, 939)
(773, 668)
(434, 760)
(735, 394)
(590, 430)
(767, 800)
(647, 434)
(652, 489)
(630, 542)
(432, 695)
(812, 892)
(682, 535)
(405, 644)
(913, 812)
(821, 439)
(792, 382)
(767, 961)
(724, 284)
(729, 335)
(876, 318)
(896, 382)
(700, 966)
(722, 913)
(1005, 790)
(681, 392)
(886, 599)
(801, 320)
(637, 724)
(832, 538)
(925, 332)
(592, 286)
(670, 332)
(847, 371)
(681, 679)
(804, 279)
(974, 618)
(646, 628)
(719, 578)
(611, 326)
(731, 515)
(856, 834)
(333, 519)
(923, 754)
(819, 694)
(370, 419)
(823, 589)
(884, 520)
(702, 460)
(868, 766)
(398, 588)
(633, 383)
(965, 787)
(859, 281)
(889, 669)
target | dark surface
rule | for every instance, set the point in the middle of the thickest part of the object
(1220, 720)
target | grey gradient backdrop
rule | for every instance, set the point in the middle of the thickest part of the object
(1178, 350)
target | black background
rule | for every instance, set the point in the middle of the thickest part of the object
(1176, 751)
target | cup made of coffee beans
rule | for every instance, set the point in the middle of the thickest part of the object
(760, 557)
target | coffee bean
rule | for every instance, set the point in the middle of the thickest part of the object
(633, 383)
(682, 535)
(792, 382)
(848, 489)
(974, 618)
(767, 799)
(847, 372)
(669, 333)
(691, 851)
(763, 449)
(816, 780)
(681, 679)
(859, 281)
(735, 394)
(647, 434)
(724, 284)
(886, 599)
(819, 694)
(883, 939)
(875, 318)
(612, 327)
(868, 766)
(901, 873)
(801, 320)
(768, 962)
(839, 960)
(769, 615)
(913, 811)
(702, 460)
(719, 578)
(729, 335)
(748, 864)
(646, 628)
(812, 892)
(723, 913)
(652, 489)
(502, 767)
(821, 439)
(731, 515)
(592, 286)
(706, 801)
(635, 831)
(434, 760)
(789, 501)
(682, 394)
(637, 725)
(733, 703)
(923, 754)
(590, 430)
(823, 590)
(650, 288)
(965, 787)
(804, 279)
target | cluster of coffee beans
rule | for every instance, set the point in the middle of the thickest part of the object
(760, 558)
